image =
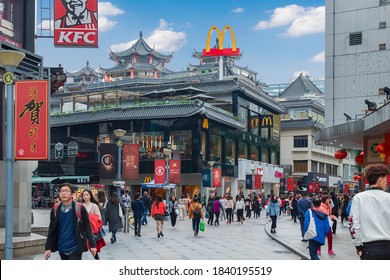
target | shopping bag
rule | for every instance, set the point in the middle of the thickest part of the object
(311, 230)
(207, 215)
(201, 226)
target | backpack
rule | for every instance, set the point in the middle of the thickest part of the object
(78, 210)
(196, 213)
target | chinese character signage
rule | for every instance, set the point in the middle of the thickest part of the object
(76, 23)
(257, 182)
(217, 177)
(130, 161)
(174, 171)
(31, 120)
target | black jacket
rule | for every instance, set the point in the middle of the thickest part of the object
(82, 236)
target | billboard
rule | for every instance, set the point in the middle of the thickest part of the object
(31, 120)
(76, 23)
(12, 22)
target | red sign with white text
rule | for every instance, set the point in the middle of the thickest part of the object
(31, 120)
(130, 161)
(76, 23)
(257, 184)
(217, 177)
(159, 171)
(174, 171)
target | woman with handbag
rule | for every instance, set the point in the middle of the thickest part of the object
(173, 208)
(195, 213)
(158, 213)
(114, 215)
(93, 208)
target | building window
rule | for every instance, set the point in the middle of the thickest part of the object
(203, 145)
(322, 167)
(300, 141)
(183, 142)
(215, 147)
(314, 166)
(384, 2)
(300, 166)
(355, 38)
(382, 24)
(243, 117)
(230, 151)
(242, 150)
(382, 47)
(254, 153)
(264, 156)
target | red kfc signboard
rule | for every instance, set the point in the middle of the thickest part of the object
(76, 23)
(31, 120)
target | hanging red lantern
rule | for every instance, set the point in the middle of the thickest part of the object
(381, 148)
(362, 154)
(360, 159)
(340, 154)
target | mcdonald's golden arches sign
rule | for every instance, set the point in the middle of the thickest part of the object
(267, 121)
(221, 51)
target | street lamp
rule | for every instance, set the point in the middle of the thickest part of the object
(119, 133)
(10, 60)
(211, 164)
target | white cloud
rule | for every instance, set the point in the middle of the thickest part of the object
(108, 9)
(238, 10)
(300, 20)
(320, 57)
(163, 38)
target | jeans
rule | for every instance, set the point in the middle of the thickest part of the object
(71, 256)
(173, 218)
(376, 250)
(216, 218)
(302, 223)
(313, 246)
(273, 219)
(144, 220)
(137, 225)
(229, 213)
(195, 225)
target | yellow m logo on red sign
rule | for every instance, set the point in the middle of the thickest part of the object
(221, 51)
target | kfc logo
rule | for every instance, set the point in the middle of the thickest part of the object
(160, 171)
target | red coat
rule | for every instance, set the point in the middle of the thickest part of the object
(96, 224)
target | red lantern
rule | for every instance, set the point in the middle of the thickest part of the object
(362, 154)
(340, 154)
(359, 159)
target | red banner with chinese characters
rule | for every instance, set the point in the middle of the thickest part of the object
(76, 24)
(310, 187)
(387, 147)
(130, 161)
(290, 184)
(159, 171)
(257, 184)
(174, 172)
(31, 120)
(217, 177)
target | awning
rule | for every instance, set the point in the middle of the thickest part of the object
(43, 180)
(153, 185)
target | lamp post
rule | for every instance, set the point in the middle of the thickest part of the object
(211, 164)
(10, 60)
(119, 133)
(168, 153)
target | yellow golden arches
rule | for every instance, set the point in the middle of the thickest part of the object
(221, 36)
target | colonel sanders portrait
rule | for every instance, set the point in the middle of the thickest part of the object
(77, 15)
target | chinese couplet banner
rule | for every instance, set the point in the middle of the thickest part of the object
(108, 158)
(217, 177)
(174, 172)
(130, 161)
(290, 184)
(76, 24)
(159, 171)
(31, 120)
(257, 184)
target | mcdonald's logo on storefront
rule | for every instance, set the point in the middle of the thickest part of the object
(147, 179)
(267, 121)
(221, 51)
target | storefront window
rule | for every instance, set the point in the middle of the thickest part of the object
(243, 117)
(183, 142)
(264, 155)
(254, 123)
(254, 153)
(242, 150)
(203, 145)
(230, 151)
(215, 148)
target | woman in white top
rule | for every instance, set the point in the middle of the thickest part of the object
(92, 206)
(240, 209)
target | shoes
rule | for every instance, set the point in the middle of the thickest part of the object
(112, 240)
(318, 252)
(158, 235)
(331, 253)
(139, 235)
(194, 233)
(273, 230)
(304, 240)
(115, 238)
(161, 234)
(173, 227)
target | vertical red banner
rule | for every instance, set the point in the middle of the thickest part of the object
(217, 177)
(310, 187)
(290, 184)
(257, 184)
(31, 120)
(174, 172)
(159, 171)
(76, 24)
(130, 161)
(387, 148)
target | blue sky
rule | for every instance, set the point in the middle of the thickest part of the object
(278, 38)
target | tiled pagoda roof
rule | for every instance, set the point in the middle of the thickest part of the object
(87, 71)
(300, 87)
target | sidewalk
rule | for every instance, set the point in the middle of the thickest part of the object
(288, 234)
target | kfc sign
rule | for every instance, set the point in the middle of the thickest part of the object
(76, 23)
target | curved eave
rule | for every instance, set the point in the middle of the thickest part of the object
(267, 102)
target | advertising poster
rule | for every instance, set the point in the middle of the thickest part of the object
(130, 161)
(107, 160)
(11, 22)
